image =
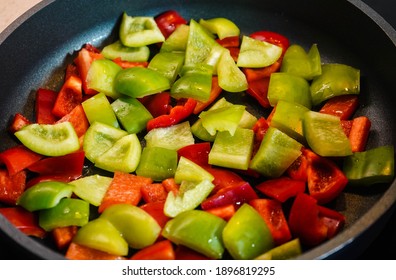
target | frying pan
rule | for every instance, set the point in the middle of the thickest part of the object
(34, 54)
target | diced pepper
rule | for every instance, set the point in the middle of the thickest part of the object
(80, 252)
(91, 188)
(214, 93)
(187, 170)
(185, 253)
(44, 103)
(224, 212)
(272, 213)
(137, 227)
(342, 106)
(222, 27)
(129, 64)
(169, 64)
(335, 80)
(157, 163)
(98, 109)
(177, 41)
(18, 158)
(44, 195)
(231, 78)
(197, 230)
(156, 210)
(124, 188)
(168, 22)
(23, 220)
(68, 212)
(298, 169)
(11, 187)
(255, 53)
(100, 234)
(359, 133)
(63, 236)
(258, 89)
(69, 96)
(153, 193)
(229, 42)
(273, 38)
(373, 166)
(197, 153)
(78, 119)
(281, 188)
(161, 250)
(49, 139)
(263, 73)
(246, 235)
(101, 75)
(333, 220)
(224, 178)
(19, 121)
(139, 31)
(129, 54)
(286, 251)
(157, 104)
(177, 114)
(325, 135)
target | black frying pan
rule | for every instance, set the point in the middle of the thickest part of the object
(34, 55)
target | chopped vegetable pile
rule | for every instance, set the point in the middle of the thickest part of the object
(142, 155)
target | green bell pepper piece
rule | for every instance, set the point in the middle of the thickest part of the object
(187, 170)
(335, 80)
(44, 195)
(123, 156)
(257, 54)
(297, 62)
(324, 134)
(177, 41)
(231, 78)
(172, 137)
(91, 188)
(284, 86)
(194, 82)
(131, 113)
(288, 118)
(101, 76)
(190, 196)
(232, 151)
(139, 82)
(100, 137)
(169, 64)
(197, 230)
(132, 54)
(370, 167)
(98, 109)
(102, 235)
(276, 153)
(68, 212)
(225, 118)
(246, 235)
(139, 31)
(222, 27)
(286, 251)
(137, 227)
(157, 163)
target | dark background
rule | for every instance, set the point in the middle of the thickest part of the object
(383, 247)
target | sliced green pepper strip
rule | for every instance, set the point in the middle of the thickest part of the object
(132, 54)
(370, 167)
(335, 80)
(101, 76)
(68, 212)
(139, 31)
(197, 230)
(169, 64)
(286, 251)
(222, 27)
(44, 195)
(231, 78)
(187, 170)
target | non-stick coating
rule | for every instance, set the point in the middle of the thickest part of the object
(35, 50)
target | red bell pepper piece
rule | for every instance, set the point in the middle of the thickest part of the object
(325, 179)
(258, 89)
(63, 236)
(156, 210)
(71, 70)
(214, 93)
(168, 21)
(224, 212)
(176, 115)
(83, 62)
(18, 122)
(171, 186)
(259, 129)
(45, 102)
(304, 221)
(18, 158)
(185, 253)
(161, 250)
(298, 169)
(124, 188)
(198, 153)
(223, 178)
(157, 104)
(254, 74)
(359, 133)
(343, 106)
(236, 195)
(129, 64)
(153, 192)
(229, 42)
(23, 220)
(346, 126)
(333, 220)
(69, 166)
(68, 97)
(273, 38)
(281, 188)
(80, 252)
(272, 213)
(78, 119)
(44, 178)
